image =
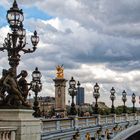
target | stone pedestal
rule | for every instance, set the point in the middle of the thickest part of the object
(28, 127)
(60, 97)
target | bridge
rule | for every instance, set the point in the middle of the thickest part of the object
(99, 127)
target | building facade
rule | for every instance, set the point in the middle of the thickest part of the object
(80, 97)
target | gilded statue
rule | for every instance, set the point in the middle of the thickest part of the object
(60, 71)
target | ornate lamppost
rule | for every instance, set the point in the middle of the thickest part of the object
(15, 43)
(133, 101)
(112, 97)
(124, 99)
(77, 98)
(96, 95)
(36, 87)
(72, 92)
(78, 84)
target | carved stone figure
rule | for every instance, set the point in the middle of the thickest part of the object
(60, 72)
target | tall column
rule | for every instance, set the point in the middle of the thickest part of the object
(60, 84)
(60, 97)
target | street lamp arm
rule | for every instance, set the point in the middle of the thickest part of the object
(29, 50)
(3, 48)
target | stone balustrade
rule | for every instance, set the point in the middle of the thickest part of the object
(68, 126)
(53, 128)
(50, 125)
(7, 133)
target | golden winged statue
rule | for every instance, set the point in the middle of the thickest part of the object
(60, 71)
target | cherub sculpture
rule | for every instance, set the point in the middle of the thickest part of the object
(10, 86)
(23, 85)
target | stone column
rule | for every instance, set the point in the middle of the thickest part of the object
(60, 97)
(28, 127)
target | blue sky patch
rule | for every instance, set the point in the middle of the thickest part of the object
(33, 12)
(3, 20)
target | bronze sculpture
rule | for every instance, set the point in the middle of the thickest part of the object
(14, 97)
(23, 85)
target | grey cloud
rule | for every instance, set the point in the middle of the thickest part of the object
(92, 32)
(107, 16)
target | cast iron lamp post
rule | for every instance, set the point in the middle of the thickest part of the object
(36, 87)
(124, 99)
(112, 97)
(77, 101)
(133, 101)
(15, 42)
(72, 92)
(78, 84)
(96, 95)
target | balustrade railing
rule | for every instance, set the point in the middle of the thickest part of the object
(87, 121)
(7, 133)
(50, 125)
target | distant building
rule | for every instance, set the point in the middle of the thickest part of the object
(46, 104)
(80, 97)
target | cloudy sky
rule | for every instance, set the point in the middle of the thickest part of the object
(96, 40)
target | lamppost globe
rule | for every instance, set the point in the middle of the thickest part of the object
(36, 75)
(133, 97)
(112, 97)
(15, 16)
(133, 101)
(78, 84)
(96, 88)
(96, 95)
(70, 91)
(124, 93)
(72, 83)
(112, 91)
(21, 32)
(35, 39)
